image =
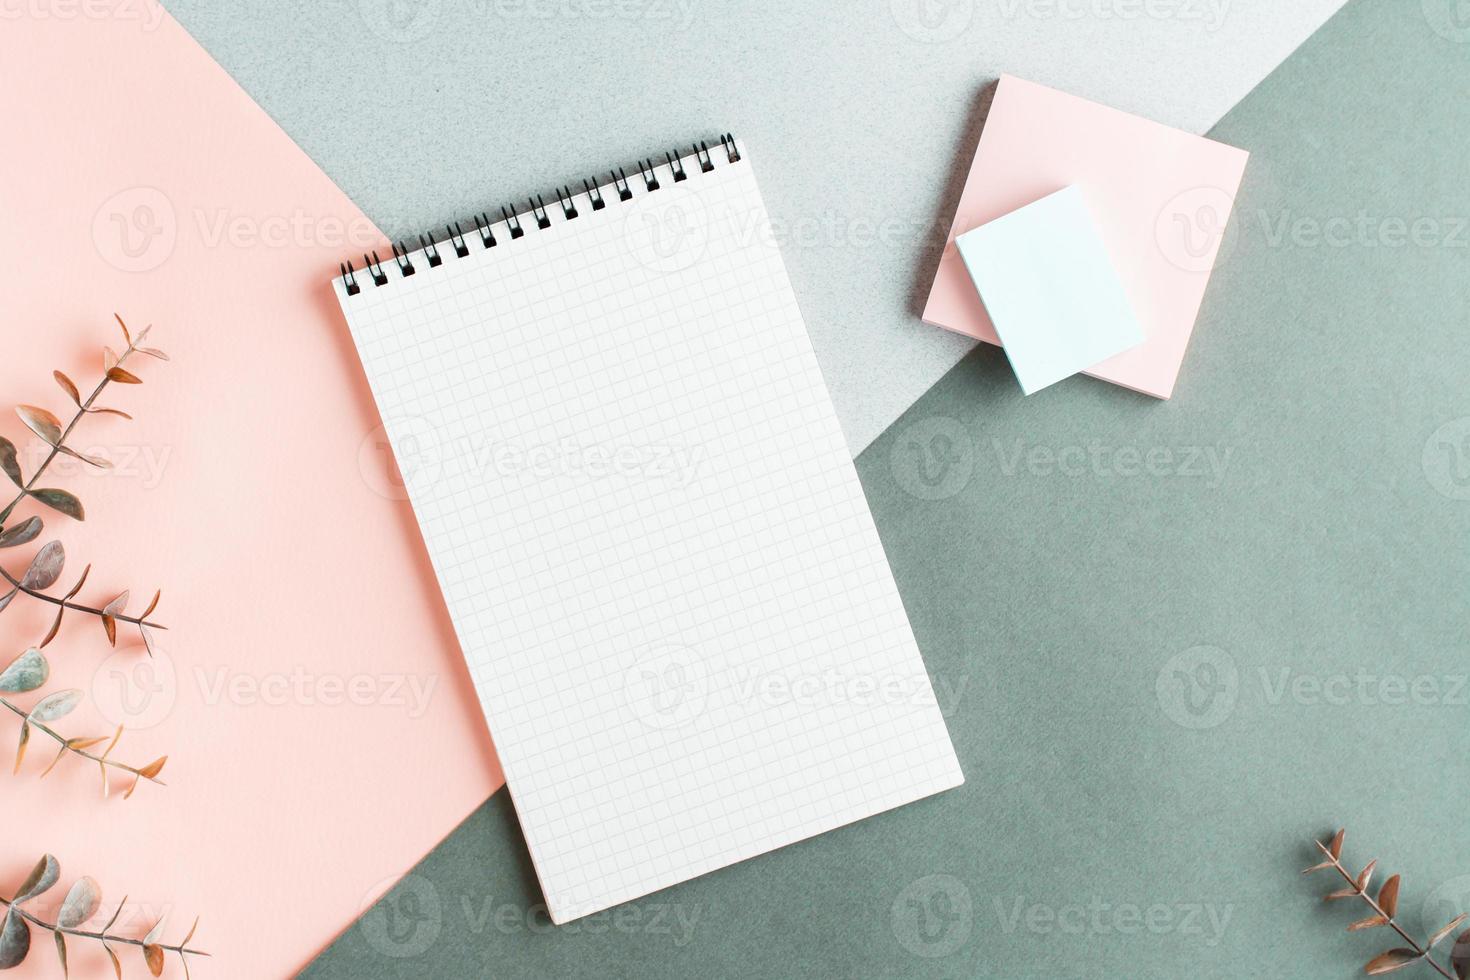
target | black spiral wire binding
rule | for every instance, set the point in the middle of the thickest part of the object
(565, 198)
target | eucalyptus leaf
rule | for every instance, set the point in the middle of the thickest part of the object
(54, 706)
(68, 386)
(9, 463)
(5, 599)
(123, 376)
(155, 934)
(25, 673)
(61, 500)
(45, 567)
(61, 952)
(41, 878)
(80, 905)
(23, 533)
(15, 940)
(41, 422)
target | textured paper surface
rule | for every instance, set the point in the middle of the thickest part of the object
(647, 526)
(308, 691)
(864, 117)
(1050, 288)
(1107, 839)
(1161, 198)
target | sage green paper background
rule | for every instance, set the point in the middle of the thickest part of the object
(1173, 641)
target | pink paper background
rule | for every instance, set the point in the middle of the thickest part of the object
(1161, 198)
(252, 488)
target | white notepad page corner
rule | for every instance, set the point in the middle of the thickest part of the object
(651, 538)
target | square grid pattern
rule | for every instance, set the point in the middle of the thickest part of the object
(647, 527)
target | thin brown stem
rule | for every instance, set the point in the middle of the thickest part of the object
(82, 410)
(66, 746)
(1362, 893)
(78, 607)
(100, 936)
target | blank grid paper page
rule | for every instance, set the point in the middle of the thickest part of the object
(650, 535)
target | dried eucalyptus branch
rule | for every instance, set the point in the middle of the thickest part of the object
(42, 573)
(50, 429)
(29, 672)
(81, 903)
(1385, 907)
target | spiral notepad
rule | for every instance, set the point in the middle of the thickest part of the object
(647, 527)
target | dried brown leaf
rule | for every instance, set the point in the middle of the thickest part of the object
(41, 422)
(116, 966)
(147, 633)
(41, 878)
(154, 934)
(153, 352)
(123, 376)
(109, 411)
(20, 748)
(54, 760)
(1341, 893)
(61, 951)
(68, 386)
(1388, 897)
(23, 533)
(80, 582)
(153, 768)
(126, 336)
(110, 612)
(1335, 848)
(1372, 922)
(1460, 955)
(115, 915)
(97, 461)
(153, 956)
(55, 626)
(5, 599)
(192, 929)
(1393, 959)
(83, 743)
(109, 359)
(9, 463)
(1366, 875)
(152, 605)
(45, 568)
(1447, 929)
(1317, 867)
(61, 500)
(15, 940)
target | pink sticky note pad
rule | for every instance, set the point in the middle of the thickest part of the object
(1161, 198)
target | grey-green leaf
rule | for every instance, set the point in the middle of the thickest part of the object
(80, 905)
(23, 533)
(15, 940)
(54, 706)
(25, 673)
(61, 500)
(45, 567)
(42, 877)
(9, 463)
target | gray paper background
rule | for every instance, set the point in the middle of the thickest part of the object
(858, 116)
(1173, 641)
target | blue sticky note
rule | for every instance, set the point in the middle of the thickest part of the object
(1050, 287)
